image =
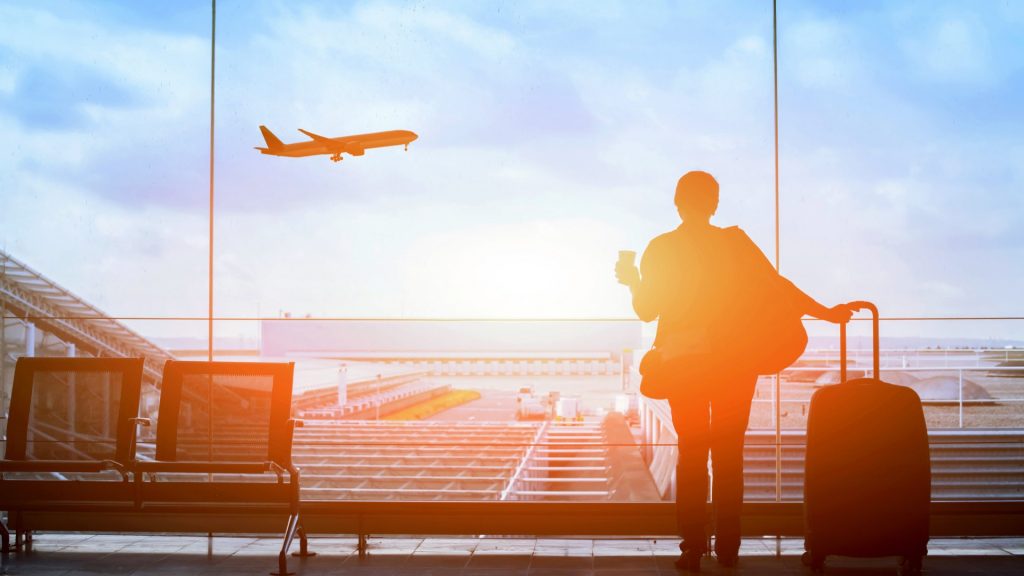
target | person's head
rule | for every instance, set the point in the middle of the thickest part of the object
(697, 196)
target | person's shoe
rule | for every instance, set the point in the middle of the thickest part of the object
(689, 560)
(727, 560)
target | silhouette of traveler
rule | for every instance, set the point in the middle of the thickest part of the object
(701, 282)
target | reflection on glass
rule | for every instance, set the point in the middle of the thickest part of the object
(224, 418)
(73, 416)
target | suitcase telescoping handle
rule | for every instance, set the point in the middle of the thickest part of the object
(858, 306)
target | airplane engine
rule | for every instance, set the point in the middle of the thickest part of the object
(356, 150)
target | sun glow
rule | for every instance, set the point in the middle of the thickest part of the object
(531, 269)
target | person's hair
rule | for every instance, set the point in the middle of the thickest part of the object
(697, 192)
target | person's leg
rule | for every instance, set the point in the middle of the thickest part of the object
(690, 417)
(730, 412)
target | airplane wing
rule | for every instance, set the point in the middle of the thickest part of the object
(319, 138)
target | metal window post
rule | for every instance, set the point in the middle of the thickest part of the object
(342, 385)
(960, 401)
(376, 400)
(3, 359)
(30, 339)
(73, 393)
(778, 251)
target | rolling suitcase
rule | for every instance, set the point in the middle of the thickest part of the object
(867, 475)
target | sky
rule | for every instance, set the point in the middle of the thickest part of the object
(551, 136)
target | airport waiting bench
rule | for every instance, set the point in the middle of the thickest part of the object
(222, 460)
(71, 422)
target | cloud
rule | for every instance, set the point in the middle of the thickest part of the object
(463, 84)
(111, 108)
(550, 136)
(121, 259)
(951, 49)
(822, 53)
(63, 98)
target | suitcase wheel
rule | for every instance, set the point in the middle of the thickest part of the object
(910, 565)
(814, 562)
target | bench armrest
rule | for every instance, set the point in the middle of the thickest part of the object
(156, 466)
(133, 439)
(58, 466)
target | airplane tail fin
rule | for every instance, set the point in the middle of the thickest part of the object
(273, 142)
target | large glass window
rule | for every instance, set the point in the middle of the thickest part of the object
(451, 309)
(898, 168)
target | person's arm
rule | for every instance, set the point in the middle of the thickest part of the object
(837, 314)
(645, 290)
(643, 284)
(811, 307)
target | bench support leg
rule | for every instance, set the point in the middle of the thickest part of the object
(5, 538)
(303, 544)
(289, 535)
(361, 546)
(15, 521)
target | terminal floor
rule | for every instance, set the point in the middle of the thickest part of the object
(68, 554)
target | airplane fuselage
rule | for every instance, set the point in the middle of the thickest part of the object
(356, 145)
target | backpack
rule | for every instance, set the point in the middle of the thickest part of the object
(757, 326)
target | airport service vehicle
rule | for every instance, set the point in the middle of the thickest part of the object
(355, 145)
(628, 406)
(867, 478)
(529, 405)
(568, 409)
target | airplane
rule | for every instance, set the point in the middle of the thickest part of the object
(355, 145)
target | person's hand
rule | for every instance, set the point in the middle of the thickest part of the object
(839, 314)
(627, 273)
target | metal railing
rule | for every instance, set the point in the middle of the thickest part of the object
(658, 442)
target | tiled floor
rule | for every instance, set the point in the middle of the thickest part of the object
(70, 554)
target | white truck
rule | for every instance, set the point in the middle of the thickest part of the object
(528, 405)
(568, 409)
